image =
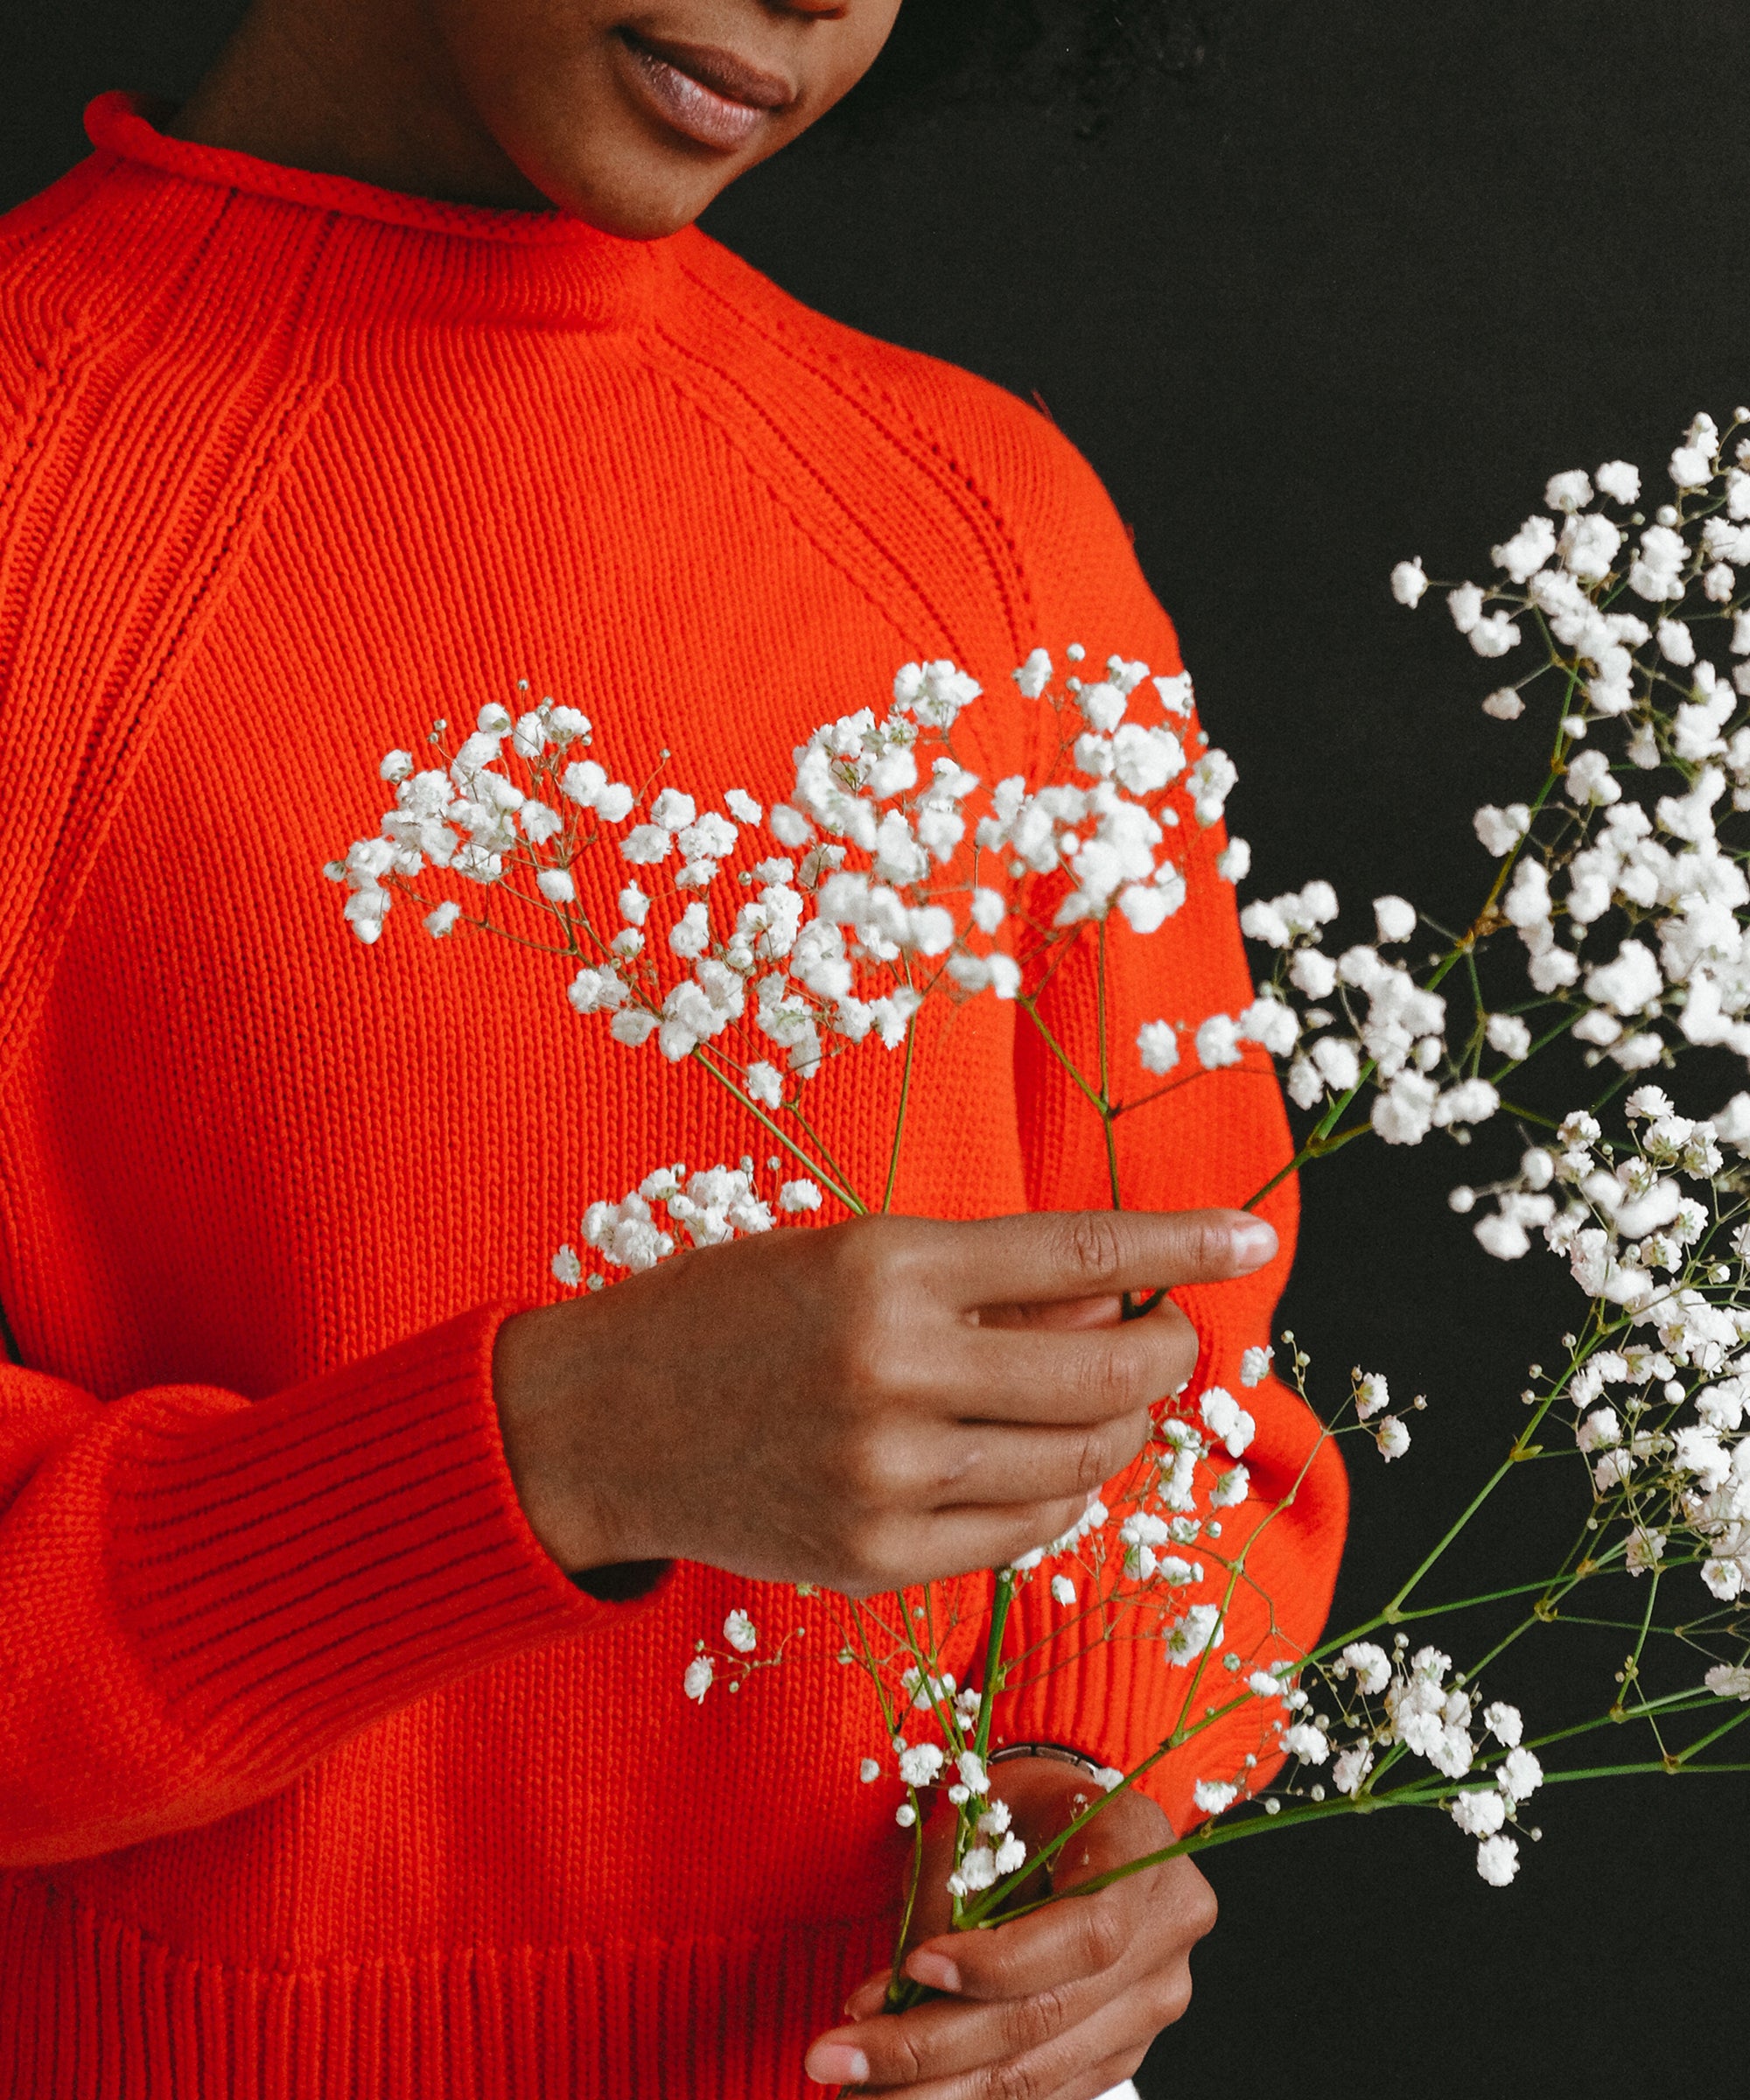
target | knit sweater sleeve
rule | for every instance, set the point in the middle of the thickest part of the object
(1213, 1139)
(204, 1595)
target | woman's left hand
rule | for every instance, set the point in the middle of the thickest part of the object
(1062, 2005)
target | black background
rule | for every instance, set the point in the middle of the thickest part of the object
(1351, 295)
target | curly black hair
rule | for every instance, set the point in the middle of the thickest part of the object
(1075, 54)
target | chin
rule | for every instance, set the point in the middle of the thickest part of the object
(642, 194)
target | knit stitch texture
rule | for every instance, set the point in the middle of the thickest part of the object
(317, 1778)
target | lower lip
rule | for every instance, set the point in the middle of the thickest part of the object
(693, 108)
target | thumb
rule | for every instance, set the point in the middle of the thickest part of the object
(1125, 1826)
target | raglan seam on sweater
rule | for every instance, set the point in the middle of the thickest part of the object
(43, 397)
(34, 963)
(693, 398)
(814, 478)
(858, 392)
(30, 220)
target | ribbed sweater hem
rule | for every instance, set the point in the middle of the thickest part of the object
(92, 2009)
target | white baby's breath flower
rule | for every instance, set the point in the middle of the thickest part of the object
(738, 1630)
(1480, 1811)
(1520, 1774)
(1392, 1437)
(920, 1764)
(1372, 1394)
(1504, 1723)
(1226, 1421)
(1218, 1042)
(1619, 481)
(1508, 1034)
(1569, 491)
(1214, 1795)
(1493, 634)
(698, 1681)
(1254, 1365)
(1370, 1663)
(1157, 1045)
(1350, 1772)
(1395, 918)
(1409, 582)
(1308, 1743)
(1501, 830)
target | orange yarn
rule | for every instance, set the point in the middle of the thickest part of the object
(317, 1777)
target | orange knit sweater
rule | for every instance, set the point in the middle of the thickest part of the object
(317, 1777)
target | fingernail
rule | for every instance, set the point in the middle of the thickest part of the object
(865, 2000)
(835, 2063)
(934, 1969)
(1254, 1243)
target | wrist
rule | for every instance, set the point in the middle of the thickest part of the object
(535, 1391)
(1107, 1775)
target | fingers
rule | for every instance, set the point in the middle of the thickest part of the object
(1076, 2041)
(937, 2040)
(1057, 1255)
(1070, 1312)
(931, 1547)
(1042, 1374)
(1063, 1944)
(998, 1465)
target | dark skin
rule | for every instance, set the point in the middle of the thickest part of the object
(879, 1402)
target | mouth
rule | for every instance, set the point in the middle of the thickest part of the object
(710, 96)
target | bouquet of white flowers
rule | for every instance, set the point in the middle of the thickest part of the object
(1613, 938)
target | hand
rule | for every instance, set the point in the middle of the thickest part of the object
(865, 1406)
(1062, 2005)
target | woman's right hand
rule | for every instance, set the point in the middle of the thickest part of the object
(861, 1406)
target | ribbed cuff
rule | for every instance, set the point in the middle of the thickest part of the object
(295, 1569)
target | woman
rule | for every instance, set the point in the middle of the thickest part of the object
(342, 1744)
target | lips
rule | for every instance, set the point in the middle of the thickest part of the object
(709, 95)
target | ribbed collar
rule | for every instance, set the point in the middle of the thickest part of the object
(394, 255)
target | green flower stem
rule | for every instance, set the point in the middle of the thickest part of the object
(1660, 1770)
(899, 1126)
(1000, 1602)
(847, 1196)
(1031, 1009)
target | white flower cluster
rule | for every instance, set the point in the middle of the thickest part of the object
(1629, 847)
(1390, 1029)
(1425, 1712)
(892, 874)
(470, 818)
(733, 1664)
(1639, 1236)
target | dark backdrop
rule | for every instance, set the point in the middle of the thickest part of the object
(1350, 295)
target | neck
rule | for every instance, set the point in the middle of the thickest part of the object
(341, 89)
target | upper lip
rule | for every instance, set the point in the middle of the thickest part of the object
(721, 71)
